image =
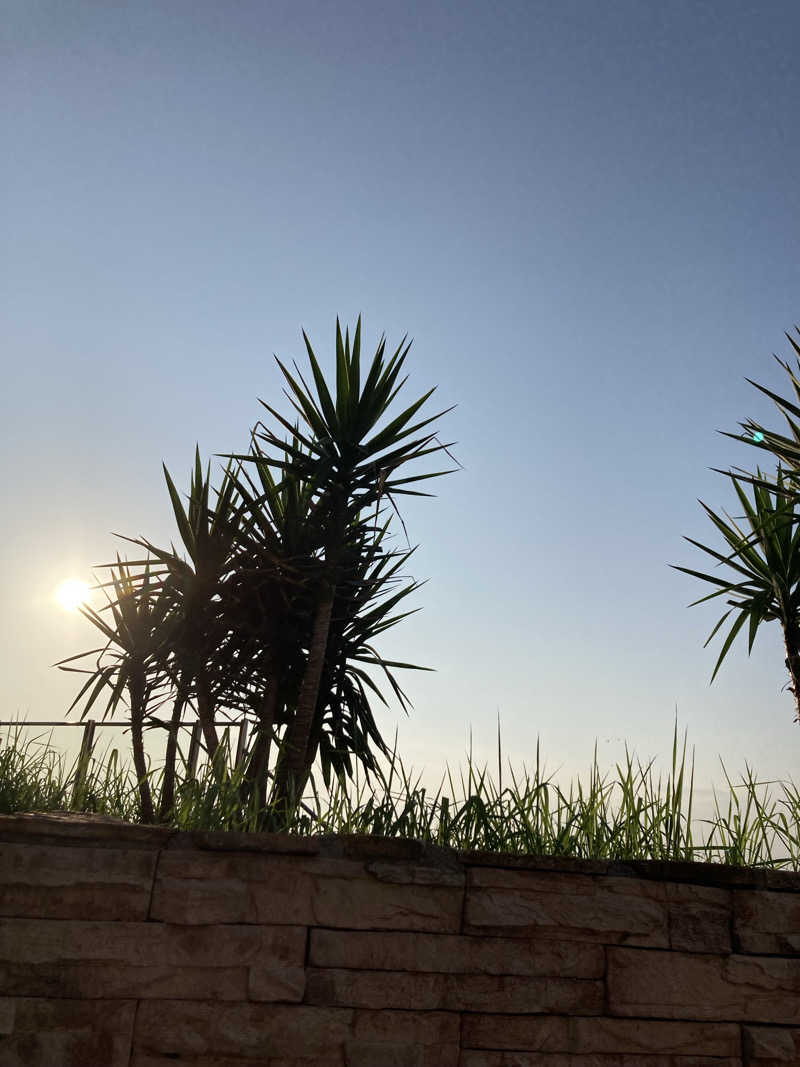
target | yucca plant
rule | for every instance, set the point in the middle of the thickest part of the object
(243, 617)
(178, 646)
(771, 590)
(226, 554)
(143, 625)
(340, 466)
(271, 626)
(187, 641)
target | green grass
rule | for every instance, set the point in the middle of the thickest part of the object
(647, 827)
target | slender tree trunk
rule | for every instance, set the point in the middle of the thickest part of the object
(298, 753)
(262, 784)
(168, 792)
(137, 690)
(292, 765)
(255, 764)
(256, 775)
(305, 773)
(791, 638)
(314, 737)
(205, 712)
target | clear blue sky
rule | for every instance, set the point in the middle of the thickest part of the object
(586, 218)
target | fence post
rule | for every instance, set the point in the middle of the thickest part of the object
(172, 733)
(84, 757)
(194, 750)
(241, 742)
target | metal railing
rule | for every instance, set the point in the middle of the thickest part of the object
(195, 743)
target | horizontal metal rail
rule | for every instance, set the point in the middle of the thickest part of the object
(87, 742)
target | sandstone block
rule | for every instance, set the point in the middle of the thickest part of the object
(678, 985)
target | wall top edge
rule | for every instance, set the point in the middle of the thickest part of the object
(75, 829)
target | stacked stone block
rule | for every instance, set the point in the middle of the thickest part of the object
(129, 946)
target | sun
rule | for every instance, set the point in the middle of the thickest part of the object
(72, 593)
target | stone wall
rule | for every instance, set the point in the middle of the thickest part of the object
(126, 946)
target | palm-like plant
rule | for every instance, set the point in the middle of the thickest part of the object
(270, 627)
(240, 620)
(213, 540)
(785, 448)
(143, 626)
(179, 630)
(341, 692)
(188, 640)
(340, 466)
(771, 591)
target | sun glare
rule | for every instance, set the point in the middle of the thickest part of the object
(72, 593)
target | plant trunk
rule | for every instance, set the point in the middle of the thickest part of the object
(791, 637)
(292, 766)
(137, 690)
(168, 791)
(313, 741)
(205, 712)
(256, 775)
(305, 773)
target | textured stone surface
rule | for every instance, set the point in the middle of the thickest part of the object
(59, 1031)
(130, 946)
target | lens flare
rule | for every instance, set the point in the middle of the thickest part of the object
(72, 593)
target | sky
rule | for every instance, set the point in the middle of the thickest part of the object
(585, 218)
